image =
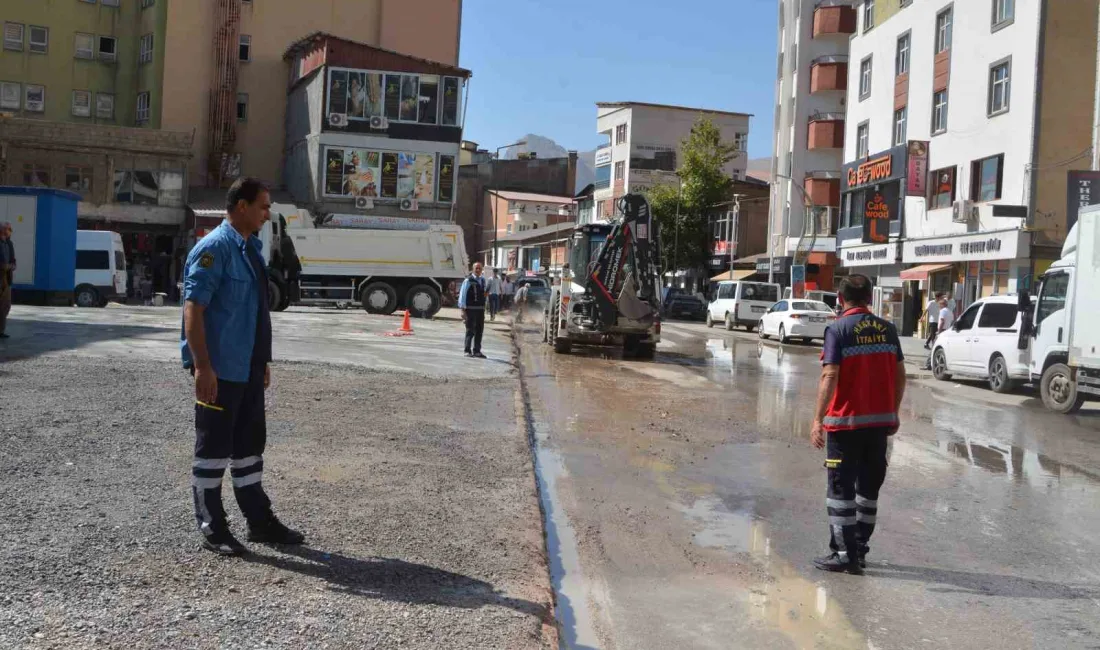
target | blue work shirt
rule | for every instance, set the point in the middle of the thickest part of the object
(220, 276)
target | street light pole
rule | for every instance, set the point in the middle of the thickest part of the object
(676, 240)
(734, 218)
(808, 208)
(509, 146)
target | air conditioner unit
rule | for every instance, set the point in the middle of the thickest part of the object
(964, 211)
(364, 203)
(337, 119)
(378, 122)
(409, 204)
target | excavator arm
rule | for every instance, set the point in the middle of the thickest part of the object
(624, 279)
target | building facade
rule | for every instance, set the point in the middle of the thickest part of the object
(810, 96)
(520, 230)
(739, 228)
(643, 146)
(965, 119)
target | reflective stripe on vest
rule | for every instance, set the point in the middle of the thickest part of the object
(852, 421)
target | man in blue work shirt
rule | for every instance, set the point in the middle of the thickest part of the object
(471, 300)
(226, 344)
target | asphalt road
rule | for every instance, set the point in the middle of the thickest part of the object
(685, 504)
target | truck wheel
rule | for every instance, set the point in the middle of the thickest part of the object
(1059, 391)
(378, 298)
(999, 381)
(87, 296)
(647, 350)
(422, 301)
(277, 298)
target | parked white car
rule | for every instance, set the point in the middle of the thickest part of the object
(796, 319)
(982, 344)
(827, 297)
(741, 303)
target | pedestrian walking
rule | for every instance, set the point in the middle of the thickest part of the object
(509, 289)
(932, 314)
(945, 318)
(862, 384)
(521, 302)
(226, 344)
(7, 275)
(495, 289)
(471, 300)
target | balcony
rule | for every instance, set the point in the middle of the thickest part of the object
(826, 131)
(823, 191)
(829, 73)
(834, 18)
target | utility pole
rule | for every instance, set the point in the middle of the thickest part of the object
(734, 219)
(676, 240)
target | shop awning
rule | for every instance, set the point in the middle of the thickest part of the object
(736, 274)
(921, 272)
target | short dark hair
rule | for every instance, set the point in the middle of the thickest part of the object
(245, 189)
(856, 289)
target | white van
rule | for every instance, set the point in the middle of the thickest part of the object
(100, 268)
(982, 344)
(741, 303)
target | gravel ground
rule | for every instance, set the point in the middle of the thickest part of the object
(416, 495)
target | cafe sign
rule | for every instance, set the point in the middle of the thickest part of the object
(879, 168)
(879, 208)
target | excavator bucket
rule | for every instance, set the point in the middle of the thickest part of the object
(623, 278)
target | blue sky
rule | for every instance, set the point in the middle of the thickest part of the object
(539, 66)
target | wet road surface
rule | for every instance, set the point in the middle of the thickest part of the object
(684, 504)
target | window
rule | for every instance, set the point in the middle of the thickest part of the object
(36, 175)
(620, 134)
(429, 99)
(725, 291)
(900, 117)
(999, 89)
(741, 141)
(108, 48)
(244, 48)
(901, 59)
(410, 98)
(82, 103)
(78, 179)
(620, 170)
(1004, 12)
(985, 178)
(943, 31)
(998, 315)
(939, 112)
(83, 45)
(146, 52)
(942, 191)
(34, 98)
(11, 95)
(105, 106)
(93, 260)
(865, 78)
(862, 139)
(452, 90)
(242, 107)
(508, 229)
(142, 108)
(13, 36)
(868, 14)
(1052, 296)
(966, 321)
(38, 40)
(780, 306)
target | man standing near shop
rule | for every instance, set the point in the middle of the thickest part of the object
(226, 344)
(7, 275)
(862, 384)
(495, 288)
(932, 314)
(471, 300)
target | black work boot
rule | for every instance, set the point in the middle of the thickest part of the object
(273, 531)
(833, 562)
(863, 551)
(223, 543)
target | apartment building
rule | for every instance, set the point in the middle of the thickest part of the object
(643, 146)
(810, 96)
(967, 118)
(524, 231)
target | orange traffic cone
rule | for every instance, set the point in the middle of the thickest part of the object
(406, 326)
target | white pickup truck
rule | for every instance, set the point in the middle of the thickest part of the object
(381, 264)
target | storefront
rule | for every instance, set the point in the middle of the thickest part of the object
(880, 262)
(872, 198)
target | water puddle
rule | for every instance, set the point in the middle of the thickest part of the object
(1020, 464)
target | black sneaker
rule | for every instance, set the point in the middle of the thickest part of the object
(863, 556)
(833, 563)
(479, 355)
(224, 544)
(467, 354)
(273, 532)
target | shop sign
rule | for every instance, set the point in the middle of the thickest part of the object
(881, 206)
(878, 168)
(1005, 245)
(1082, 189)
(603, 157)
(798, 281)
(883, 254)
(782, 264)
(916, 183)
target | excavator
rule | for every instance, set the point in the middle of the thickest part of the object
(610, 290)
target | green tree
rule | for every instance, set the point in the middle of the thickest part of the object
(703, 183)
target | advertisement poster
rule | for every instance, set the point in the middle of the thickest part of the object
(410, 97)
(424, 175)
(338, 91)
(1082, 189)
(357, 95)
(446, 179)
(334, 172)
(429, 99)
(406, 179)
(389, 175)
(374, 95)
(798, 281)
(450, 101)
(362, 172)
(879, 207)
(393, 96)
(917, 176)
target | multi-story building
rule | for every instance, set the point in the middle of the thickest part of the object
(526, 232)
(810, 95)
(739, 228)
(966, 119)
(644, 145)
